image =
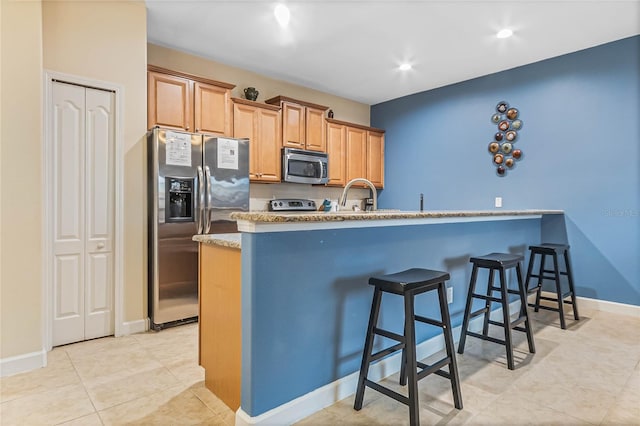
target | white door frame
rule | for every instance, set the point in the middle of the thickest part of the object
(47, 201)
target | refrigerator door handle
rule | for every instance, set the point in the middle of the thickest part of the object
(201, 195)
(207, 216)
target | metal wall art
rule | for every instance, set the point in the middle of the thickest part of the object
(503, 149)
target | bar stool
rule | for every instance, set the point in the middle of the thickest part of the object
(497, 262)
(408, 284)
(552, 250)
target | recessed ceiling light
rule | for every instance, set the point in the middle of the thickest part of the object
(504, 33)
(404, 67)
(282, 15)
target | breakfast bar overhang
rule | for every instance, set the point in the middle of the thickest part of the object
(306, 301)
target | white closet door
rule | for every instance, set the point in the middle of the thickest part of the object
(99, 209)
(83, 213)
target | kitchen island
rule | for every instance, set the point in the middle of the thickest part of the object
(305, 298)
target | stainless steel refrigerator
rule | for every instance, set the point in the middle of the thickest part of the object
(195, 182)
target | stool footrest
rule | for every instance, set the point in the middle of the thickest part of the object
(387, 351)
(488, 338)
(393, 394)
(433, 368)
(389, 334)
(483, 297)
(429, 321)
(553, 299)
(513, 324)
(478, 312)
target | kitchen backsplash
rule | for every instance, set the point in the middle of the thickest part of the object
(260, 194)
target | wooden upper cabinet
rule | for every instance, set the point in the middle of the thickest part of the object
(183, 101)
(303, 123)
(261, 124)
(356, 148)
(355, 151)
(375, 158)
(169, 101)
(336, 150)
(293, 128)
(212, 109)
(315, 130)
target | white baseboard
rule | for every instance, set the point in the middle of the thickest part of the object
(132, 327)
(22, 363)
(599, 305)
(606, 306)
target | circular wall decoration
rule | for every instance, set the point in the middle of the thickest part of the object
(505, 153)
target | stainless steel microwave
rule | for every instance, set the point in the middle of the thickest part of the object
(302, 166)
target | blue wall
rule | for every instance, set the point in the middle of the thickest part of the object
(306, 301)
(580, 139)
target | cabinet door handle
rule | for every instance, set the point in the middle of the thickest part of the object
(187, 128)
(100, 245)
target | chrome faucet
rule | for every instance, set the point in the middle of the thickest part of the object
(343, 198)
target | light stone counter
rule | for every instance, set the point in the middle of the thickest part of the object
(257, 222)
(225, 240)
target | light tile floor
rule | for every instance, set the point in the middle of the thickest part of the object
(588, 374)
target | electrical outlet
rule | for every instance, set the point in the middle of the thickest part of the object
(449, 295)
(498, 201)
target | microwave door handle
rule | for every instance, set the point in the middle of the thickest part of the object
(200, 211)
(207, 216)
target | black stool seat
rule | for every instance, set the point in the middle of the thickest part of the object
(398, 283)
(554, 251)
(408, 284)
(499, 262)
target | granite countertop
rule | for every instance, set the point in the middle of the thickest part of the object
(260, 221)
(377, 215)
(225, 240)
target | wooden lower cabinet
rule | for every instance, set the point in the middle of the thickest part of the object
(220, 321)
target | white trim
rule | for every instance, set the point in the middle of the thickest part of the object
(597, 305)
(606, 306)
(304, 406)
(133, 327)
(22, 363)
(47, 320)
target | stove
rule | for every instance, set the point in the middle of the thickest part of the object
(292, 204)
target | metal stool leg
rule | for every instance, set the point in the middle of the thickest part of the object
(449, 345)
(467, 309)
(506, 319)
(567, 265)
(368, 347)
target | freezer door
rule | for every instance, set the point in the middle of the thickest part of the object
(226, 165)
(175, 194)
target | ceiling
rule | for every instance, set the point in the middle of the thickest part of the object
(353, 48)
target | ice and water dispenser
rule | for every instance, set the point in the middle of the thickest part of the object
(180, 199)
